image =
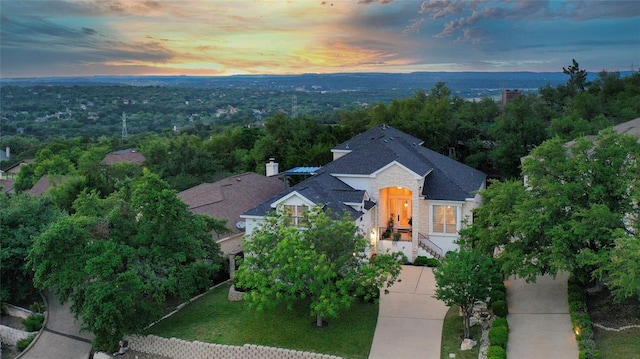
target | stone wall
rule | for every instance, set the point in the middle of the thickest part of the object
(14, 311)
(183, 349)
(12, 335)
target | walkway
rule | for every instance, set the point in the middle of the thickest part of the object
(539, 323)
(410, 319)
(61, 338)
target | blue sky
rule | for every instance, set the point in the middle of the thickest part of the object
(132, 37)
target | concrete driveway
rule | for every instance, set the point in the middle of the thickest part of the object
(410, 319)
(539, 322)
(61, 338)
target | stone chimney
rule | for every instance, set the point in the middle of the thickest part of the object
(272, 167)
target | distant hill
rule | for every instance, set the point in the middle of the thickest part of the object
(465, 84)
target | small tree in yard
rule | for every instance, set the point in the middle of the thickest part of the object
(462, 279)
(325, 261)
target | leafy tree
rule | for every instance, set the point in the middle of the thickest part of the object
(118, 259)
(462, 279)
(577, 76)
(516, 132)
(23, 218)
(325, 261)
(575, 201)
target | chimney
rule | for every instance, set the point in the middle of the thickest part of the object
(272, 167)
(8, 152)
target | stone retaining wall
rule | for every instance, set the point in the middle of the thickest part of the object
(15, 311)
(183, 349)
(12, 335)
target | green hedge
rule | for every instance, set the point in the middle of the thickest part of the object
(580, 320)
(500, 308)
(426, 262)
(499, 336)
(496, 352)
(501, 323)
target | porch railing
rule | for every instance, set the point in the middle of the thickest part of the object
(405, 233)
(425, 243)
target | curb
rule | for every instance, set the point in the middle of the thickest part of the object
(44, 325)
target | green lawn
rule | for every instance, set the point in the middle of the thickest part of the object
(213, 319)
(452, 332)
(623, 344)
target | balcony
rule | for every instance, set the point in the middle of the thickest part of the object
(395, 234)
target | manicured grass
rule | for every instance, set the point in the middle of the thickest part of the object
(452, 333)
(623, 344)
(214, 319)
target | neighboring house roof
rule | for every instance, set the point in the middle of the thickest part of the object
(44, 184)
(15, 168)
(230, 197)
(7, 186)
(372, 151)
(130, 155)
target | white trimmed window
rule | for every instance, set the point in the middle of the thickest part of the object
(445, 219)
(297, 214)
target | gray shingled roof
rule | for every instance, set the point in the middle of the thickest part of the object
(446, 179)
(322, 189)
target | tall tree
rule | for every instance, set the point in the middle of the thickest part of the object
(325, 262)
(23, 217)
(464, 278)
(118, 259)
(577, 76)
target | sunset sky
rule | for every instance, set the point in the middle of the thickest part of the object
(225, 37)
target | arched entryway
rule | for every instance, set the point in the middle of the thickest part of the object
(397, 209)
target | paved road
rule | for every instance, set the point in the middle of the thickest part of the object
(61, 338)
(410, 319)
(539, 323)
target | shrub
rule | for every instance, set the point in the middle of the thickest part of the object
(500, 308)
(499, 336)
(22, 344)
(420, 261)
(37, 307)
(501, 323)
(497, 295)
(33, 323)
(577, 306)
(496, 352)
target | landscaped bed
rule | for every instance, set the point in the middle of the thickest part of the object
(213, 319)
(452, 333)
(604, 310)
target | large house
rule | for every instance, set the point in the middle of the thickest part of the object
(227, 199)
(402, 196)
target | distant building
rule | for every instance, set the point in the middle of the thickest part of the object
(509, 95)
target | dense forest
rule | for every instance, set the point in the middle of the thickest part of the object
(206, 146)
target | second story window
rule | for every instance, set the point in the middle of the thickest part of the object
(297, 214)
(445, 219)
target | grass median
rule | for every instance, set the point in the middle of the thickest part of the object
(213, 319)
(452, 334)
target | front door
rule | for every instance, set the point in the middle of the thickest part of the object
(401, 211)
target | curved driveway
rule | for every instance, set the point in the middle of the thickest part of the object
(409, 319)
(61, 338)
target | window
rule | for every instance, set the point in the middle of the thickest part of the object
(445, 219)
(297, 214)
